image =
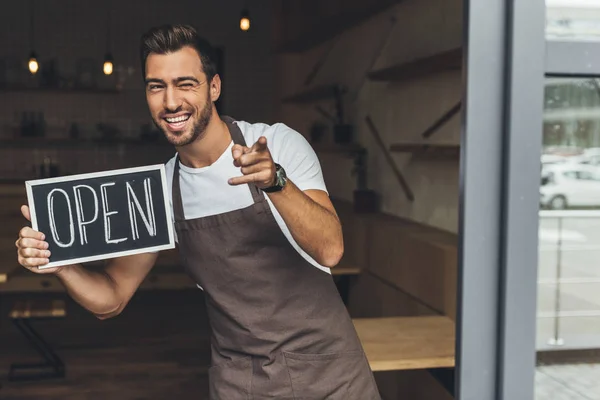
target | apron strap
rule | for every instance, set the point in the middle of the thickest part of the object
(177, 200)
(238, 138)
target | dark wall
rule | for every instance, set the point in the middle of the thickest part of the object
(72, 36)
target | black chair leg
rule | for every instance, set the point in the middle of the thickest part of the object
(52, 367)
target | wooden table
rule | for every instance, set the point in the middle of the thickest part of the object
(403, 343)
(21, 314)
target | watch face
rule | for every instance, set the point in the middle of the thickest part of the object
(281, 176)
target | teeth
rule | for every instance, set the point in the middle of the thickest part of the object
(178, 119)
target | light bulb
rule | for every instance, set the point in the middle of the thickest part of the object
(108, 68)
(108, 64)
(244, 24)
(33, 64)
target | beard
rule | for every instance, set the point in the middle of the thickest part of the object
(194, 132)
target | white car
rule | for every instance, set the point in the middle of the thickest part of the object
(552, 159)
(570, 185)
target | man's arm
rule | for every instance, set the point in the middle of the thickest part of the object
(105, 294)
(309, 215)
(313, 222)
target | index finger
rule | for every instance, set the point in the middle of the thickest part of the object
(28, 232)
(260, 145)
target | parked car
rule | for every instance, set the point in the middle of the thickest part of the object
(570, 185)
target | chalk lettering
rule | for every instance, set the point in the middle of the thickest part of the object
(149, 220)
(106, 213)
(79, 211)
(53, 230)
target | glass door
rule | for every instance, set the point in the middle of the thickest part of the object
(568, 302)
(529, 284)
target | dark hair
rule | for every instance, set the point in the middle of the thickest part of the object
(166, 39)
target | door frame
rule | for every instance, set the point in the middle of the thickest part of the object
(506, 58)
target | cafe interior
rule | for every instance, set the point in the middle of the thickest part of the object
(374, 86)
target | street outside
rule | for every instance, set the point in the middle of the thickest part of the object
(579, 295)
(568, 382)
(579, 305)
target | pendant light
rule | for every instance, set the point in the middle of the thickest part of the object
(33, 63)
(33, 59)
(108, 64)
(245, 20)
(108, 58)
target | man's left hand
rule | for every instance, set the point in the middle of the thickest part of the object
(256, 164)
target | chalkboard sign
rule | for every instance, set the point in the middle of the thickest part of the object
(89, 217)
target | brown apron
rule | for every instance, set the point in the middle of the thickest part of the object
(279, 327)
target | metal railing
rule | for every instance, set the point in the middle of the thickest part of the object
(560, 247)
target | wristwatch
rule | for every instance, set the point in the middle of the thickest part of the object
(280, 180)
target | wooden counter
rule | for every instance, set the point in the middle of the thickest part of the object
(407, 343)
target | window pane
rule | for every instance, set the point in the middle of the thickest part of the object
(568, 314)
(573, 19)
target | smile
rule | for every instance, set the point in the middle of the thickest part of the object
(183, 118)
(177, 123)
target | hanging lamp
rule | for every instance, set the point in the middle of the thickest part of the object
(108, 66)
(245, 20)
(32, 63)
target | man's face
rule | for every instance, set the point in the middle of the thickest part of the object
(178, 95)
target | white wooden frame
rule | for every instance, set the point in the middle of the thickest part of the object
(166, 195)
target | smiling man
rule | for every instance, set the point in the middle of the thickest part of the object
(255, 229)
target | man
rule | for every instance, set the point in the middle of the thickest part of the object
(255, 229)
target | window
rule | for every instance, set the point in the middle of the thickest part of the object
(531, 240)
(573, 19)
(568, 286)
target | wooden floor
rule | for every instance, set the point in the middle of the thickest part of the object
(156, 349)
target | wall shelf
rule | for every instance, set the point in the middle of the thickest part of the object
(446, 61)
(80, 143)
(316, 93)
(428, 151)
(57, 90)
(349, 149)
(327, 28)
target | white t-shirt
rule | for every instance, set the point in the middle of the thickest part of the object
(205, 190)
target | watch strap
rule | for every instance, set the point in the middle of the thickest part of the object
(280, 180)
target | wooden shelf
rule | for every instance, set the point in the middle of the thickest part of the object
(316, 93)
(338, 148)
(39, 308)
(446, 61)
(327, 28)
(429, 151)
(85, 143)
(57, 90)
